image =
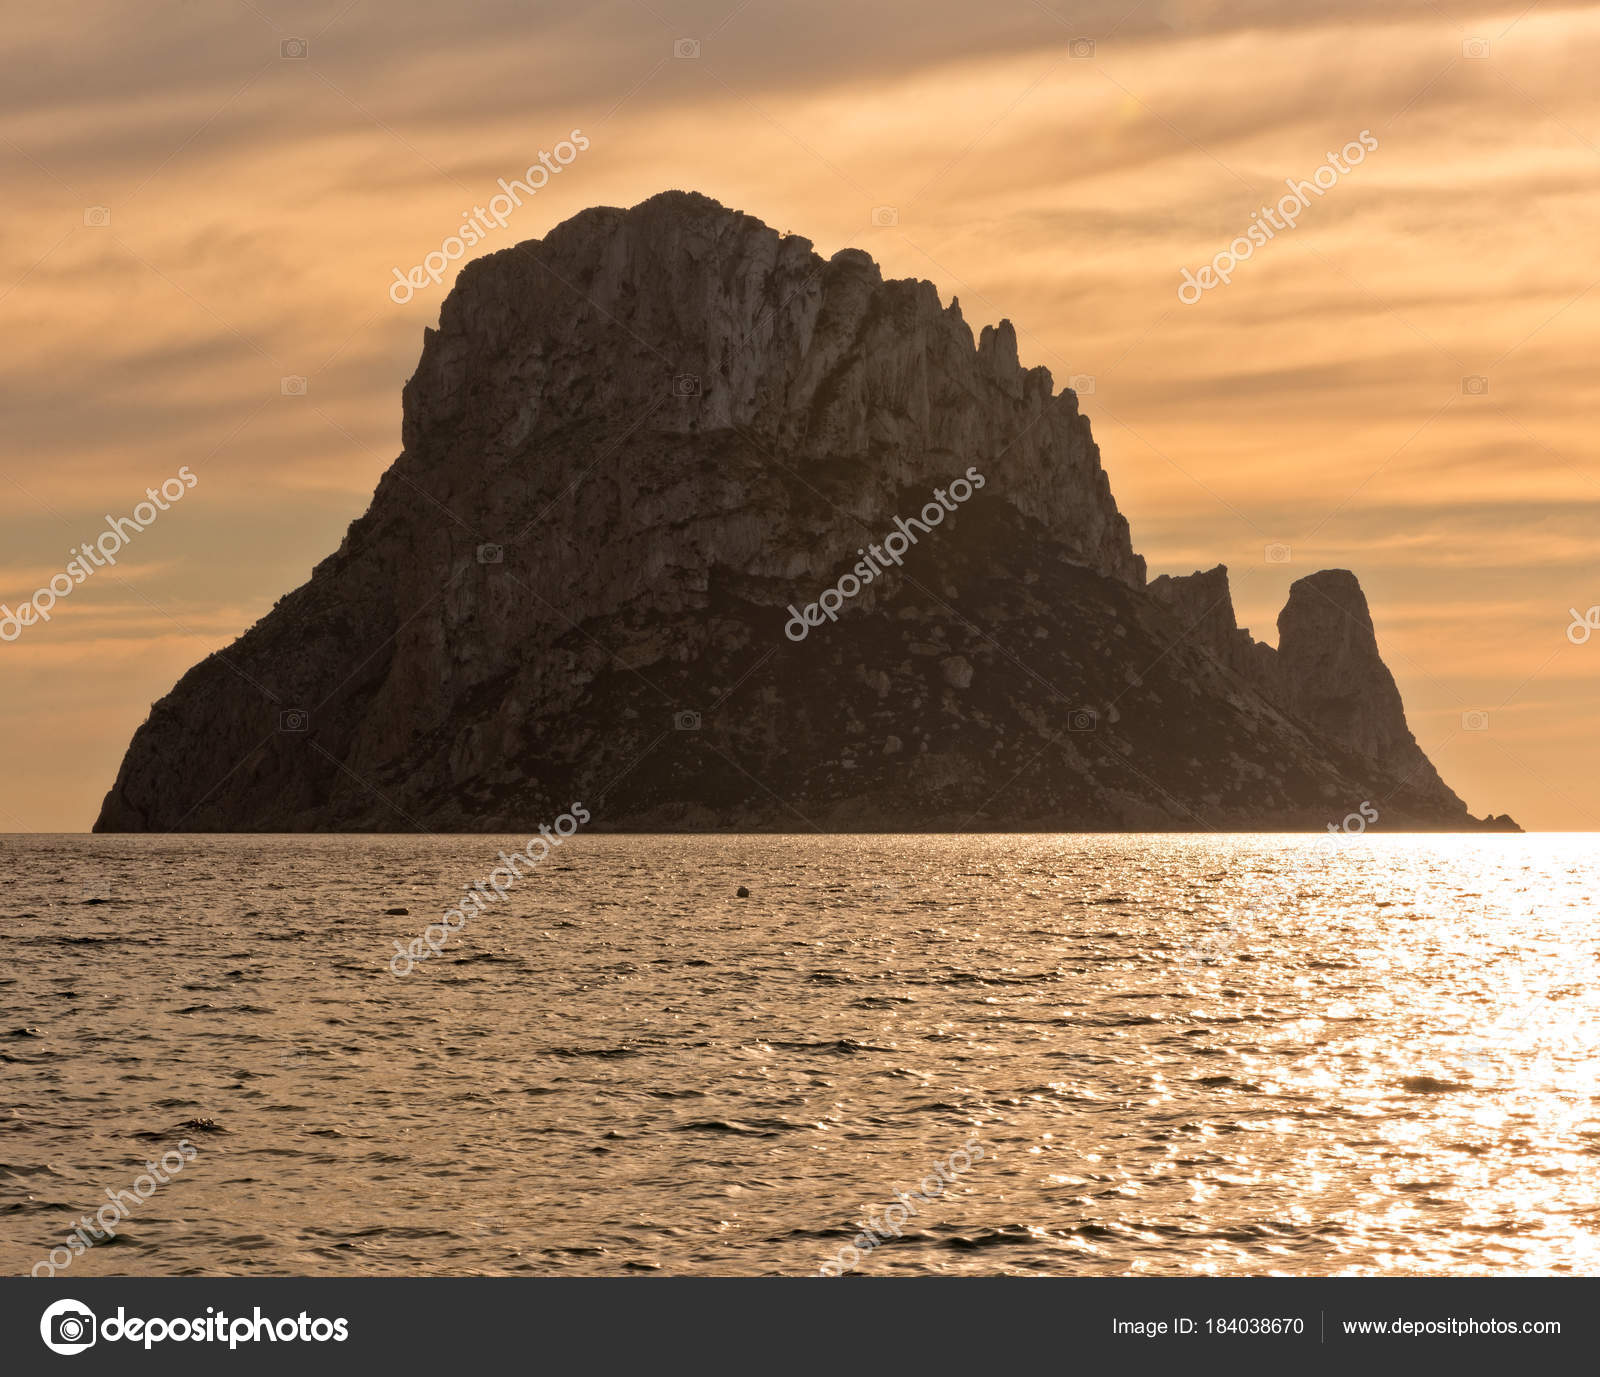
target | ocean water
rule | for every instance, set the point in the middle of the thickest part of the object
(1176, 1055)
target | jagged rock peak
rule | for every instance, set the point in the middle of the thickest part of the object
(1326, 670)
(1202, 599)
(1203, 602)
(710, 321)
(1334, 677)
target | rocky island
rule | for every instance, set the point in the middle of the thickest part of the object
(633, 452)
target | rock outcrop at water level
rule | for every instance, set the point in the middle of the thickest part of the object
(707, 531)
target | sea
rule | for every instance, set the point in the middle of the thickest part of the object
(1030, 1055)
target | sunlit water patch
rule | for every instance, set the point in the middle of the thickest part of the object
(1191, 1054)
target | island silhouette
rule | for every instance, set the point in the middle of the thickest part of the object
(711, 533)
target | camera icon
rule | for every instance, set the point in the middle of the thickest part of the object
(686, 721)
(1277, 554)
(292, 47)
(1475, 721)
(292, 386)
(686, 385)
(491, 554)
(68, 1326)
(294, 720)
(1475, 386)
(1081, 47)
(97, 217)
(1082, 384)
(1475, 47)
(686, 47)
(1082, 720)
(885, 215)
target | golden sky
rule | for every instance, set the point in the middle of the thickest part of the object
(206, 197)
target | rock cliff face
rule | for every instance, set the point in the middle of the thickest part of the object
(1331, 675)
(1326, 670)
(632, 451)
(1203, 602)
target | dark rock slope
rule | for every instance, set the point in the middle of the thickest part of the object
(629, 448)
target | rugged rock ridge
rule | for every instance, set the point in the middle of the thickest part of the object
(1203, 602)
(1326, 670)
(629, 449)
